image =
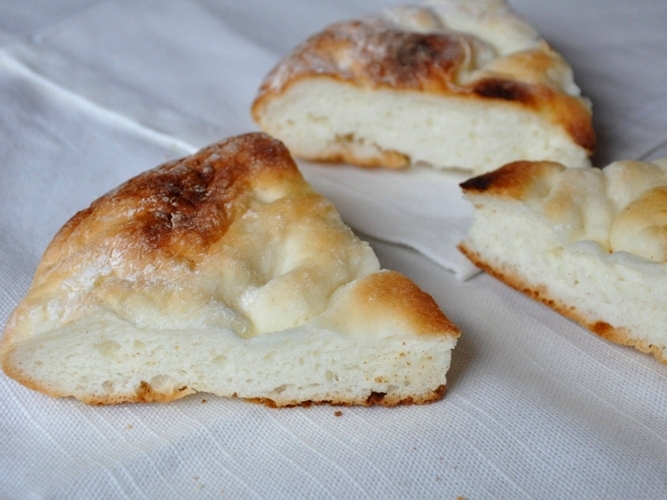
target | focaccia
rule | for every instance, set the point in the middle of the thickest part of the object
(462, 84)
(591, 244)
(225, 273)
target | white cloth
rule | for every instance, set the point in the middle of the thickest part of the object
(421, 208)
(94, 92)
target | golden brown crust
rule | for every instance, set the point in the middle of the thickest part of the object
(390, 293)
(181, 207)
(541, 294)
(147, 394)
(192, 211)
(511, 180)
(376, 54)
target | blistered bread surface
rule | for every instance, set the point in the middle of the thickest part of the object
(220, 259)
(622, 207)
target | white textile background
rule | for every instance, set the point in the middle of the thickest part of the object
(93, 92)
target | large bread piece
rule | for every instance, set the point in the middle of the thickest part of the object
(223, 272)
(460, 84)
(591, 244)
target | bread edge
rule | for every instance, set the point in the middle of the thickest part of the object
(618, 335)
(146, 394)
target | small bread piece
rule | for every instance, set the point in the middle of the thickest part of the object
(460, 84)
(591, 244)
(224, 272)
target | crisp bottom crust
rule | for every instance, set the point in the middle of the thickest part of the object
(146, 394)
(619, 335)
(375, 399)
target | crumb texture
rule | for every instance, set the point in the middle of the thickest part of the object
(223, 272)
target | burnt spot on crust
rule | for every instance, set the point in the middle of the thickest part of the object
(507, 90)
(511, 180)
(480, 183)
(602, 328)
(505, 177)
(172, 201)
(375, 398)
(184, 206)
(419, 49)
(191, 200)
(411, 59)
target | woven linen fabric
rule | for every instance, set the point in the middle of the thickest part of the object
(94, 92)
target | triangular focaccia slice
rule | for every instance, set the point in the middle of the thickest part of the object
(453, 84)
(590, 243)
(224, 272)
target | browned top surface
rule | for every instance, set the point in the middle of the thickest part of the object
(376, 54)
(392, 294)
(380, 55)
(511, 180)
(181, 207)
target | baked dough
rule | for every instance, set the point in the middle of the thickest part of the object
(591, 244)
(455, 84)
(223, 272)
